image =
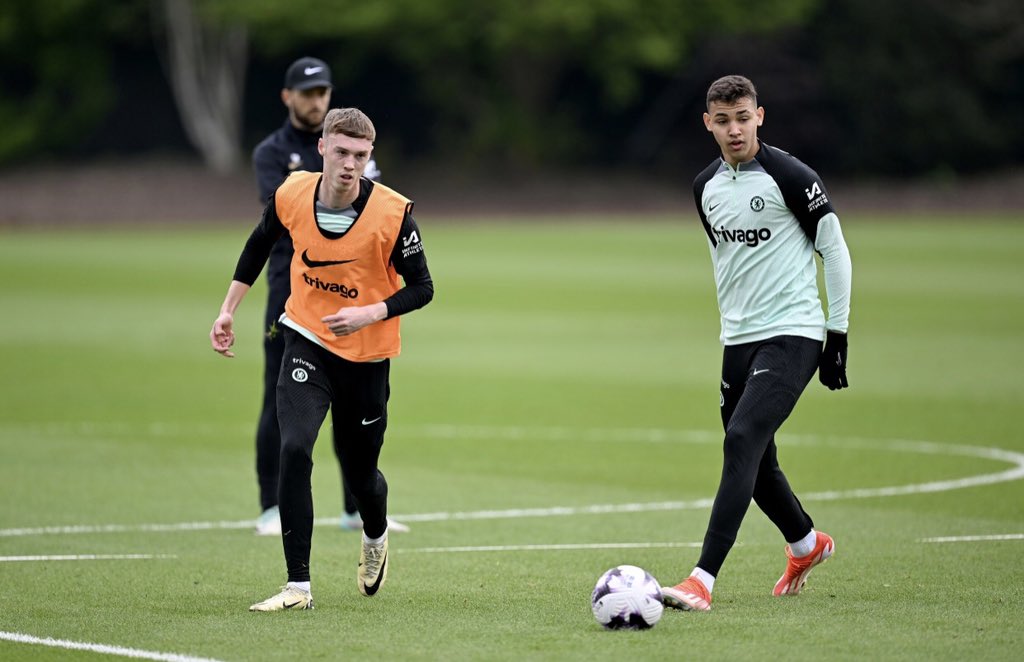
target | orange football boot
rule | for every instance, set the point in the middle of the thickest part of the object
(690, 595)
(797, 569)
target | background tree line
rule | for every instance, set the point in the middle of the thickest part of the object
(909, 87)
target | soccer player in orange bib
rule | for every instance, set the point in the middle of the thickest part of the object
(355, 242)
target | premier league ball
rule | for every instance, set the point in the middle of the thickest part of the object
(627, 597)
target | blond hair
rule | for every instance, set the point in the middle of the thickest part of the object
(351, 122)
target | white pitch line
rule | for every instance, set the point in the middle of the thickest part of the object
(556, 511)
(86, 557)
(925, 448)
(555, 433)
(638, 435)
(1005, 536)
(547, 548)
(128, 528)
(19, 638)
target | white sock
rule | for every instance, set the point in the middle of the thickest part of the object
(302, 586)
(805, 545)
(705, 578)
(375, 541)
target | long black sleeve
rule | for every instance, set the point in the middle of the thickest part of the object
(258, 246)
(411, 264)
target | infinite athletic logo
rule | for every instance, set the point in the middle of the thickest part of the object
(815, 197)
(412, 245)
(313, 264)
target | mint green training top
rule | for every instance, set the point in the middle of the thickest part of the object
(765, 220)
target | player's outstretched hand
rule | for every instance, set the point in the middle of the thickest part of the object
(832, 365)
(222, 337)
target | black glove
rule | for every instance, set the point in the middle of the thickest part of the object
(832, 364)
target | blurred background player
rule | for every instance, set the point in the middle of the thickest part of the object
(292, 147)
(765, 214)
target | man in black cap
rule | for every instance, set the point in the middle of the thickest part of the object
(293, 147)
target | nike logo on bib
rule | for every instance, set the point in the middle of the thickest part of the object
(313, 264)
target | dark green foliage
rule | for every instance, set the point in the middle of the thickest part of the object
(924, 85)
(930, 87)
(55, 64)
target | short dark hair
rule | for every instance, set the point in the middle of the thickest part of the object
(729, 89)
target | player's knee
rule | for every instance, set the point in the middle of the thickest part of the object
(295, 452)
(739, 441)
(740, 451)
(371, 487)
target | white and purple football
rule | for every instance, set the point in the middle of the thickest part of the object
(627, 597)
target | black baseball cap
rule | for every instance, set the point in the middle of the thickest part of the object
(306, 73)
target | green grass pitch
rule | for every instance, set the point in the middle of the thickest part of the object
(554, 413)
